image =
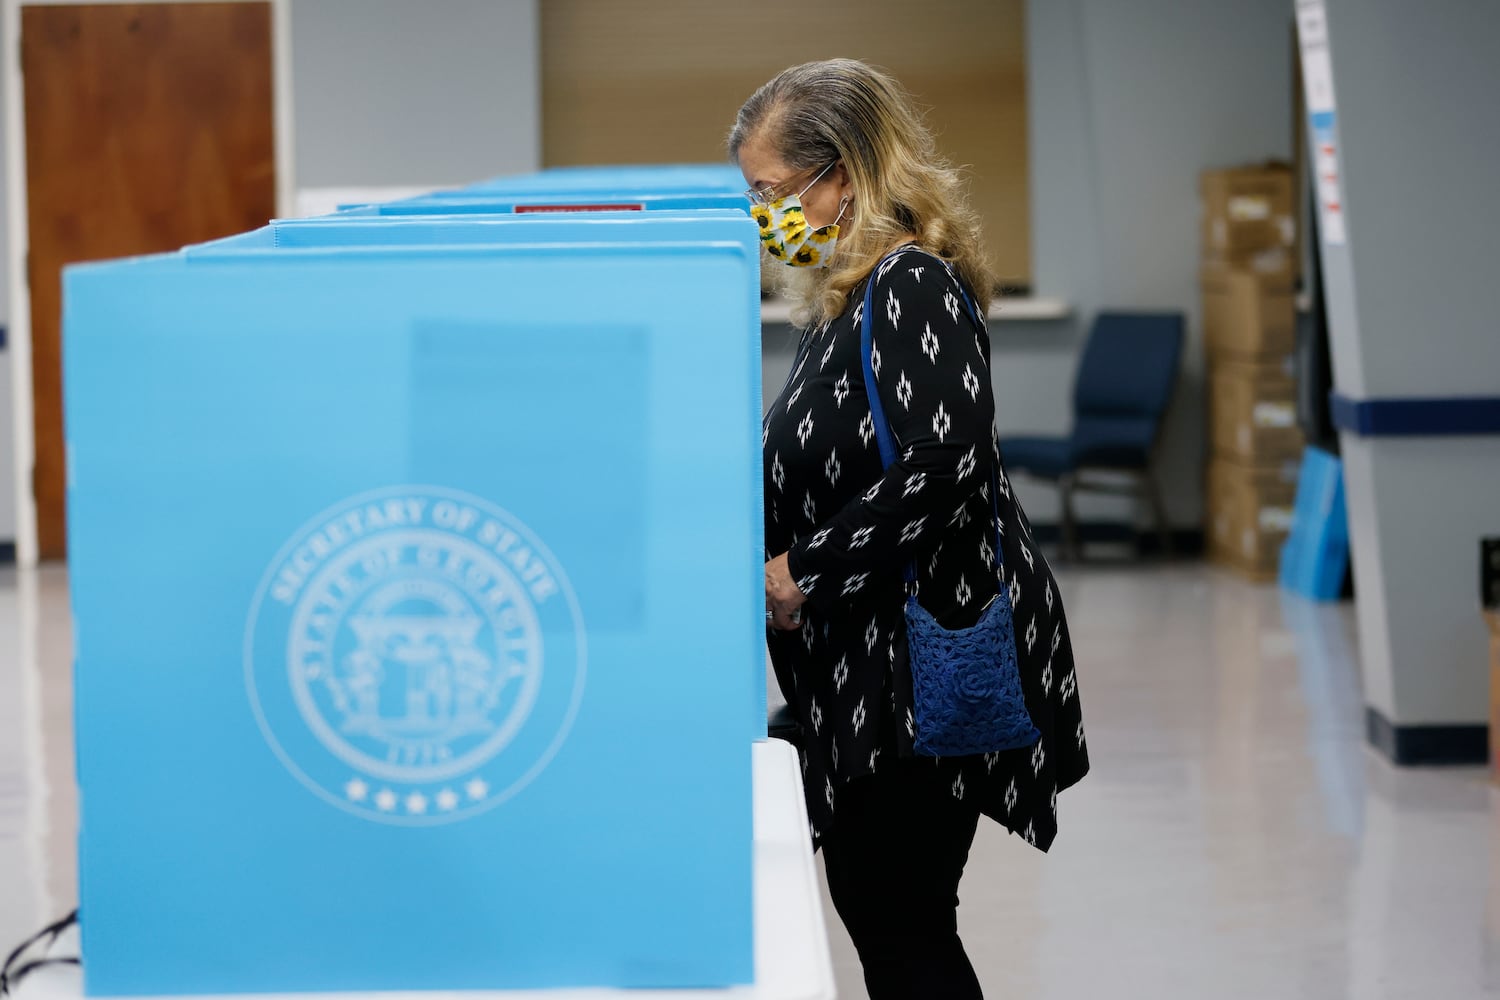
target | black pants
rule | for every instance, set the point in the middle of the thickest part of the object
(894, 858)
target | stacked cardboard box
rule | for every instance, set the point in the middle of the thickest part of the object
(1249, 220)
(1249, 321)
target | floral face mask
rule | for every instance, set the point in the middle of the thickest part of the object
(784, 229)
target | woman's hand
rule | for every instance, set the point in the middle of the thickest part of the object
(783, 600)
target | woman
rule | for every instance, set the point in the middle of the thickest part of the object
(843, 176)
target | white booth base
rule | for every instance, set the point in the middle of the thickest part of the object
(792, 960)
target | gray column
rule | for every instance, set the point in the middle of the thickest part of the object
(1412, 306)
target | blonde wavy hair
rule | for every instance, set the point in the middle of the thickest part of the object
(845, 110)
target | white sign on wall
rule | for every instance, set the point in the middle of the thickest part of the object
(1322, 114)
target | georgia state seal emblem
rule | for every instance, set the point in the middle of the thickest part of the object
(415, 655)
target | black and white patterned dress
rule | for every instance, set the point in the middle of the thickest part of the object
(850, 529)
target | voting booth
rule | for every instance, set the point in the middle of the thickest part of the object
(582, 189)
(561, 202)
(720, 178)
(416, 572)
(690, 229)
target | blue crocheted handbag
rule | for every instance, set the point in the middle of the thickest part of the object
(966, 683)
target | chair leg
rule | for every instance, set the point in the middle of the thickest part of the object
(1071, 548)
(1158, 512)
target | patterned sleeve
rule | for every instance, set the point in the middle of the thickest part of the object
(933, 378)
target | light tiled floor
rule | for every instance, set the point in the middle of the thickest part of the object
(38, 800)
(1236, 839)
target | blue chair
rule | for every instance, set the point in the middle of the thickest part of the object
(1124, 383)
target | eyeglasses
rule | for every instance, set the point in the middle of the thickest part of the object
(764, 196)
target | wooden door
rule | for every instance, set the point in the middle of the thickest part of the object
(148, 126)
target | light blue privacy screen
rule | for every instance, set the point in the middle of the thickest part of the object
(569, 228)
(551, 201)
(667, 186)
(680, 177)
(415, 590)
(562, 227)
(368, 229)
(591, 182)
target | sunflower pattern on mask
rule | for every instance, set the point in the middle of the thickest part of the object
(785, 233)
(806, 257)
(792, 224)
(819, 246)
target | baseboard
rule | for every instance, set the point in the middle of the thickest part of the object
(1412, 746)
(7, 553)
(1185, 541)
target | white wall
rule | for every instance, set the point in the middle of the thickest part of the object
(386, 94)
(1419, 139)
(399, 92)
(1127, 103)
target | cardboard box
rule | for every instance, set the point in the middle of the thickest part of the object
(1250, 515)
(1248, 209)
(1275, 264)
(1253, 412)
(1247, 315)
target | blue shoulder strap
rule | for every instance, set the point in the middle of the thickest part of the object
(886, 440)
